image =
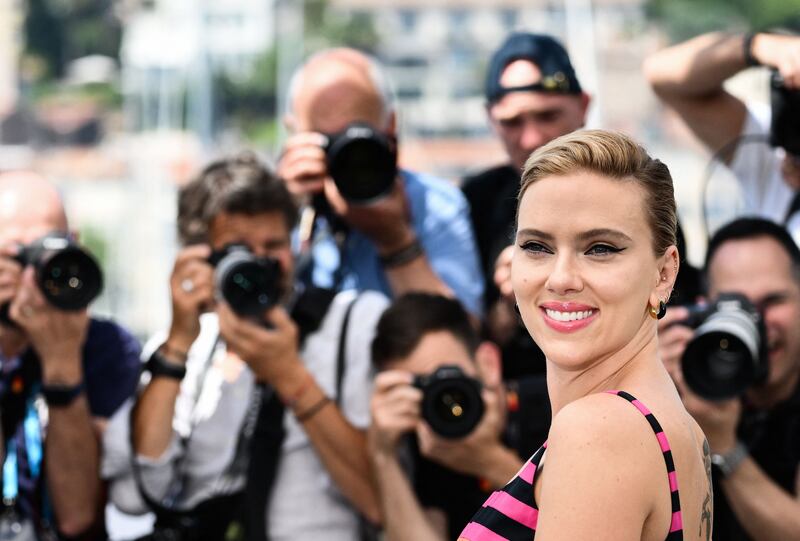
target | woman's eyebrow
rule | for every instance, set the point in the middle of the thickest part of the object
(605, 232)
(590, 234)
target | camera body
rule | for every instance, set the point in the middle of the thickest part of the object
(249, 284)
(728, 352)
(362, 162)
(785, 125)
(451, 401)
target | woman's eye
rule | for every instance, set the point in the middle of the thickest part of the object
(535, 247)
(603, 249)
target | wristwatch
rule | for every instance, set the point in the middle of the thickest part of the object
(61, 396)
(159, 366)
(729, 462)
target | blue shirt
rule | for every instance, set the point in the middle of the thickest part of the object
(111, 369)
(440, 219)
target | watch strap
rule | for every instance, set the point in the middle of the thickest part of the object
(61, 396)
(159, 366)
(729, 462)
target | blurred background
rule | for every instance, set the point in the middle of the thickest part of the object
(119, 101)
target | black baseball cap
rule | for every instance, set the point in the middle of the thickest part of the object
(558, 75)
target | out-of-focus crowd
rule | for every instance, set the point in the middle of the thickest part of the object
(344, 359)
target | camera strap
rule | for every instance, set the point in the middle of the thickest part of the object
(793, 208)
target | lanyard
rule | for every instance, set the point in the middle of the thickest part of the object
(33, 446)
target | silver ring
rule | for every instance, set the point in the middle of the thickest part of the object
(187, 285)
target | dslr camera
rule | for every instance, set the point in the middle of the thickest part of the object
(451, 401)
(362, 162)
(68, 276)
(728, 352)
(249, 284)
(785, 125)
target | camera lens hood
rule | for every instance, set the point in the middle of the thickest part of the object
(362, 162)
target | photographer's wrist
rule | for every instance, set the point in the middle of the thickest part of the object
(62, 370)
(394, 243)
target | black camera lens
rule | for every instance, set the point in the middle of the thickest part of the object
(452, 404)
(249, 284)
(785, 123)
(68, 276)
(362, 162)
(728, 351)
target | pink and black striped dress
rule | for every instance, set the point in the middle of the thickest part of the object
(510, 514)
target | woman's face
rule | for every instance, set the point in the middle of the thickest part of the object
(583, 270)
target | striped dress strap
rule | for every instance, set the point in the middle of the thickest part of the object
(676, 525)
(509, 513)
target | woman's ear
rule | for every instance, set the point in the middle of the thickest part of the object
(668, 267)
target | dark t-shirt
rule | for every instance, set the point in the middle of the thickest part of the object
(773, 439)
(492, 196)
(111, 367)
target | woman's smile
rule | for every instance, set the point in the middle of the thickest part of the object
(568, 317)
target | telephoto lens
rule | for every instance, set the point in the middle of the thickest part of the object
(451, 401)
(68, 276)
(728, 352)
(362, 162)
(249, 284)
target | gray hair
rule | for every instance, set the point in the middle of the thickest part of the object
(377, 76)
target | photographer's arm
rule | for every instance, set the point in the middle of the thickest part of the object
(764, 509)
(689, 78)
(395, 411)
(72, 447)
(272, 355)
(191, 287)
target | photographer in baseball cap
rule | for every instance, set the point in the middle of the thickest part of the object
(532, 97)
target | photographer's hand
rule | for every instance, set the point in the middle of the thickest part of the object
(12, 338)
(672, 339)
(502, 274)
(56, 335)
(387, 223)
(780, 52)
(272, 353)
(395, 408)
(302, 165)
(192, 290)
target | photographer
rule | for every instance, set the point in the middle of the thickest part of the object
(689, 78)
(252, 420)
(450, 476)
(376, 226)
(83, 367)
(755, 438)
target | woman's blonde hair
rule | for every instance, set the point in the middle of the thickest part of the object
(613, 155)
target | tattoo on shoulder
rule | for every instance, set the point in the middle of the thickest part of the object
(707, 511)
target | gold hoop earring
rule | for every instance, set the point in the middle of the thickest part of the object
(658, 312)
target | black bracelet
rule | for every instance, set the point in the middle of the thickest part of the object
(61, 396)
(747, 47)
(404, 255)
(312, 410)
(157, 365)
